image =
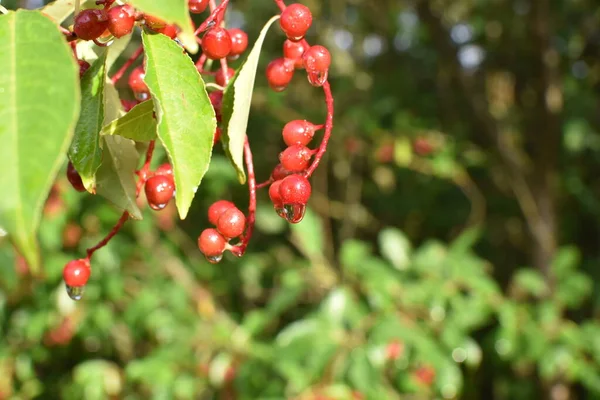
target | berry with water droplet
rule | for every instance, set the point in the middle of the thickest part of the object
(239, 42)
(136, 81)
(159, 191)
(295, 158)
(298, 132)
(74, 178)
(231, 223)
(89, 24)
(293, 213)
(220, 76)
(197, 6)
(121, 20)
(295, 189)
(77, 272)
(316, 61)
(280, 73)
(212, 244)
(217, 209)
(276, 199)
(216, 43)
(294, 51)
(295, 21)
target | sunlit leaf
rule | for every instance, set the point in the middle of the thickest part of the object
(138, 124)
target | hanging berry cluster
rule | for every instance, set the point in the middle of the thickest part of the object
(288, 186)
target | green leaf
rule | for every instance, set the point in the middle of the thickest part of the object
(308, 235)
(237, 99)
(186, 118)
(60, 10)
(115, 179)
(174, 12)
(138, 124)
(85, 152)
(36, 120)
(532, 282)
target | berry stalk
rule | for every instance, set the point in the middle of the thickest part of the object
(241, 248)
(328, 128)
(119, 74)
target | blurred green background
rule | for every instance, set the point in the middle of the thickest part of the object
(451, 248)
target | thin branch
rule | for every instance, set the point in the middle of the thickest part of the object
(328, 128)
(115, 78)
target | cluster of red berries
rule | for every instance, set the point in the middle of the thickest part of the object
(230, 223)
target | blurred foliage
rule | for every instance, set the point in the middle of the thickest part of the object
(420, 271)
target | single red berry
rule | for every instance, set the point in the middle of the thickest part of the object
(159, 191)
(217, 135)
(231, 223)
(217, 209)
(274, 195)
(77, 272)
(298, 132)
(168, 30)
(279, 73)
(89, 24)
(295, 189)
(136, 80)
(295, 21)
(422, 146)
(239, 42)
(394, 350)
(74, 178)
(216, 43)
(121, 20)
(216, 99)
(425, 375)
(197, 6)
(295, 158)
(128, 104)
(279, 173)
(211, 243)
(294, 51)
(316, 59)
(164, 169)
(83, 66)
(154, 23)
(220, 76)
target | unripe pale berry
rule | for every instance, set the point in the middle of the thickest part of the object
(74, 178)
(220, 76)
(231, 223)
(295, 189)
(211, 243)
(136, 80)
(298, 132)
(216, 43)
(159, 191)
(295, 21)
(217, 209)
(77, 272)
(279, 73)
(295, 158)
(294, 51)
(316, 59)
(121, 20)
(239, 42)
(197, 6)
(89, 24)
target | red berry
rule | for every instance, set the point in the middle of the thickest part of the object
(128, 104)
(159, 191)
(425, 375)
(220, 76)
(77, 272)
(74, 178)
(217, 209)
(422, 146)
(154, 23)
(217, 135)
(279, 73)
(394, 349)
(211, 243)
(316, 59)
(121, 20)
(168, 30)
(231, 223)
(165, 169)
(298, 132)
(274, 194)
(83, 66)
(216, 43)
(295, 189)
(197, 6)
(294, 51)
(136, 80)
(295, 158)
(216, 99)
(89, 24)
(279, 173)
(295, 21)
(239, 42)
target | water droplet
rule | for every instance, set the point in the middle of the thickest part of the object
(75, 292)
(278, 88)
(317, 78)
(142, 96)
(214, 259)
(281, 212)
(157, 206)
(294, 212)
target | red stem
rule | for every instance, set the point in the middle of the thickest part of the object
(113, 232)
(215, 18)
(280, 4)
(327, 134)
(119, 74)
(264, 184)
(240, 249)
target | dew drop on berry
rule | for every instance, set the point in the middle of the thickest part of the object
(75, 292)
(141, 96)
(318, 78)
(282, 212)
(157, 207)
(214, 259)
(294, 213)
